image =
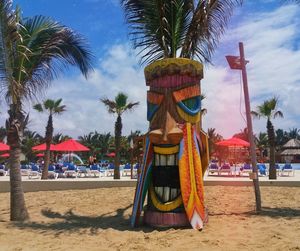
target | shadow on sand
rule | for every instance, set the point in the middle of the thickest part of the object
(70, 222)
(284, 212)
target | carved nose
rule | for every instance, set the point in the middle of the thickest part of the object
(170, 124)
(168, 134)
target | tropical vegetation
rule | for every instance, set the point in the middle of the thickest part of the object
(52, 107)
(268, 109)
(32, 53)
(118, 106)
(184, 28)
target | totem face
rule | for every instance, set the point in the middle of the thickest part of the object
(172, 169)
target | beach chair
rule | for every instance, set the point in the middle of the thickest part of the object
(110, 170)
(83, 172)
(246, 169)
(95, 170)
(126, 170)
(71, 171)
(135, 170)
(213, 168)
(52, 172)
(34, 172)
(262, 169)
(3, 172)
(287, 169)
(225, 168)
(25, 169)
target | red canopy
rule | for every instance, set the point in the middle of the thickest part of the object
(40, 155)
(233, 142)
(4, 155)
(42, 147)
(111, 155)
(4, 147)
(71, 145)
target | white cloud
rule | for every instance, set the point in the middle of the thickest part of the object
(272, 47)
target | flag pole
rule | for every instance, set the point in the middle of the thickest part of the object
(250, 129)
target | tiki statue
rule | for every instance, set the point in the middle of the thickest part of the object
(176, 149)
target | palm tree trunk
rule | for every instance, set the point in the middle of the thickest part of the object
(271, 136)
(118, 133)
(15, 127)
(48, 137)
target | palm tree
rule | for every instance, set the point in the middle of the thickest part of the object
(261, 142)
(30, 139)
(32, 53)
(269, 110)
(118, 107)
(162, 29)
(53, 107)
(294, 133)
(59, 137)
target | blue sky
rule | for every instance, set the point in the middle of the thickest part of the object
(269, 30)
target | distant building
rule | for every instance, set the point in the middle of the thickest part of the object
(291, 151)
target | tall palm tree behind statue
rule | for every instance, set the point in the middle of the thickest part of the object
(118, 107)
(160, 29)
(269, 110)
(53, 107)
(32, 52)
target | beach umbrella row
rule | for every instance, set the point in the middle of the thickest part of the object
(4, 147)
(70, 145)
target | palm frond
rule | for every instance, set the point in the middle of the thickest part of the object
(38, 107)
(161, 28)
(255, 114)
(110, 105)
(129, 106)
(157, 26)
(278, 114)
(208, 23)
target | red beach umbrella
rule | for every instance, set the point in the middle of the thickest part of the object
(111, 155)
(70, 145)
(4, 155)
(4, 147)
(42, 147)
(233, 142)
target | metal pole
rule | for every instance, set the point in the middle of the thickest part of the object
(249, 126)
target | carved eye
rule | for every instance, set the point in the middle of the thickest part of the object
(191, 106)
(153, 102)
(151, 110)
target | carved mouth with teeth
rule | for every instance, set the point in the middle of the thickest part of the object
(165, 188)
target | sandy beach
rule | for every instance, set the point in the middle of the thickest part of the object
(98, 219)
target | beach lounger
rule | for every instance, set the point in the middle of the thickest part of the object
(287, 169)
(51, 172)
(3, 172)
(25, 169)
(34, 172)
(126, 170)
(225, 168)
(110, 170)
(246, 169)
(71, 171)
(262, 169)
(95, 171)
(83, 171)
(213, 168)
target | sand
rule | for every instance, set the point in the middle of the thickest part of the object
(99, 220)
